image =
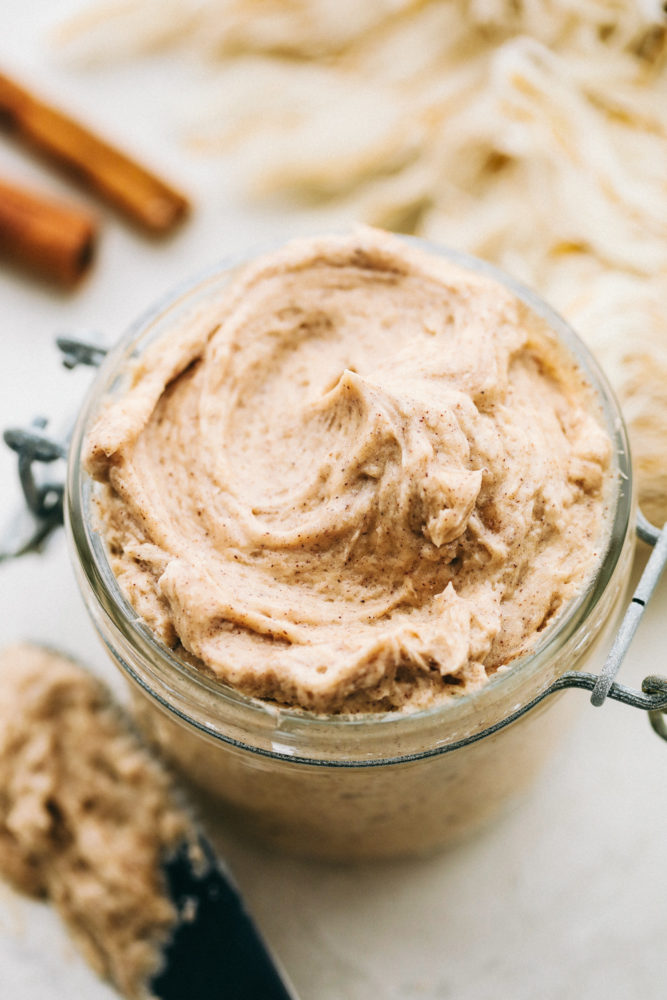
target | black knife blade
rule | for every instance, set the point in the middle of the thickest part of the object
(215, 951)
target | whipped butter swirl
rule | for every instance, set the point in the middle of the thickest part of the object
(360, 480)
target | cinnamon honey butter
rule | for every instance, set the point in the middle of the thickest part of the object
(361, 480)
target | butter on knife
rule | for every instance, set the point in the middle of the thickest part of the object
(90, 820)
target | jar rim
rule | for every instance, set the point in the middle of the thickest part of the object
(179, 686)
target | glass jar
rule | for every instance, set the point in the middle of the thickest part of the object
(348, 787)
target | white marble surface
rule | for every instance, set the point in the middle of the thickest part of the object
(564, 897)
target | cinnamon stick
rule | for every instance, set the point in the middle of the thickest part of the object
(50, 239)
(124, 183)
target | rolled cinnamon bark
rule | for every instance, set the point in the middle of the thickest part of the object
(50, 239)
(124, 183)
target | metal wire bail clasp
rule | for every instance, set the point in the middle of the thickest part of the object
(635, 611)
(43, 497)
(653, 696)
(44, 500)
(653, 687)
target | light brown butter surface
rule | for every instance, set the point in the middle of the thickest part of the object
(361, 480)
